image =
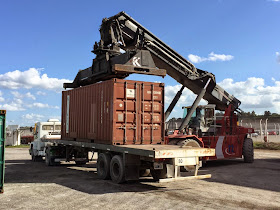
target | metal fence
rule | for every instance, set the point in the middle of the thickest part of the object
(264, 129)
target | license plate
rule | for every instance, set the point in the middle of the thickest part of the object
(158, 165)
(185, 161)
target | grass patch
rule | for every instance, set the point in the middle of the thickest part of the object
(267, 145)
(18, 146)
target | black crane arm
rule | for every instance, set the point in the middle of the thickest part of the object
(125, 41)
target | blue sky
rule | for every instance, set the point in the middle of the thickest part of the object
(47, 42)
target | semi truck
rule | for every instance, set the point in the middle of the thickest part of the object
(126, 47)
(123, 126)
(43, 131)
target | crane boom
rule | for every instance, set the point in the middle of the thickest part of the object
(145, 53)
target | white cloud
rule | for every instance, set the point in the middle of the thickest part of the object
(186, 99)
(254, 94)
(196, 58)
(55, 117)
(157, 81)
(31, 78)
(278, 56)
(32, 117)
(41, 105)
(29, 95)
(1, 98)
(18, 95)
(41, 93)
(211, 57)
(15, 105)
(275, 0)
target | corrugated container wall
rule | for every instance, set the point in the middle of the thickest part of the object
(114, 112)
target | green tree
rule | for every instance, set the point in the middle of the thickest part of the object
(267, 113)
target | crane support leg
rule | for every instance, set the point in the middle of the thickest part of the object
(173, 103)
(194, 106)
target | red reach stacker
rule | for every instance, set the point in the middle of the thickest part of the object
(127, 47)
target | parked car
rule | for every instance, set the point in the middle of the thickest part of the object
(271, 133)
(255, 134)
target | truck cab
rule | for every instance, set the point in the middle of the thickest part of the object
(44, 131)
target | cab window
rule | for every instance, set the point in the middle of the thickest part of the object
(47, 127)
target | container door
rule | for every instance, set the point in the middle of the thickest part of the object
(2, 149)
(126, 113)
(152, 113)
(138, 113)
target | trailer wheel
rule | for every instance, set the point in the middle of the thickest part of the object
(103, 166)
(248, 151)
(117, 169)
(33, 157)
(159, 173)
(36, 158)
(48, 159)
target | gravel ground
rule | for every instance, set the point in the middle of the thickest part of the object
(234, 184)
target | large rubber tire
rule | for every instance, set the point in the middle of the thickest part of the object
(33, 157)
(117, 169)
(188, 143)
(48, 159)
(37, 158)
(103, 166)
(172, 142)
(159, 173)
(248, 151)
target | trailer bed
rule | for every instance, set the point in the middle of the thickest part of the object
(147, 150)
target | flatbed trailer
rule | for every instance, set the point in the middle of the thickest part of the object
(129, 162)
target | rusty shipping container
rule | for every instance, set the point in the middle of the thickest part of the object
(114, 112)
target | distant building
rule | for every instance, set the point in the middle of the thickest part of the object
(26, 135)
(12, 135)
